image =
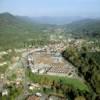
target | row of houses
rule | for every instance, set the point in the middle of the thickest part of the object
(54, 69)
(61, 71)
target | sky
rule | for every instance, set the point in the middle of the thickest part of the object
(84, 8)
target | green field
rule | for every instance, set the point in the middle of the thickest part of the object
(47, 80)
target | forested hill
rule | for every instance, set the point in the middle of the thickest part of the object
(15, 30)
(86, 27)
(8, 20)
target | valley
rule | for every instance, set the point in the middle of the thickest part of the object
(49, 61)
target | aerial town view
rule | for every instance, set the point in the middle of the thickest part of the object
(49, 50)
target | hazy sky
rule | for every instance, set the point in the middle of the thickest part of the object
(90, 8)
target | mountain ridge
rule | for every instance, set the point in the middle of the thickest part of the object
(19, 29)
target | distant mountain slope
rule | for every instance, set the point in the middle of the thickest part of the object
(15, 30)
(90, 27)
(56, 20)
